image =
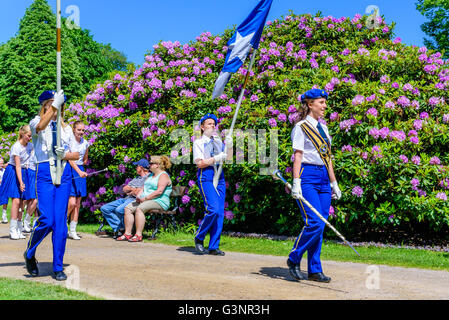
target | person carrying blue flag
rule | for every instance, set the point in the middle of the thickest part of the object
(314, 179)
(52, 198)
(207, 154)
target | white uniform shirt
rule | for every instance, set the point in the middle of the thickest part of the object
(43, 140)
(80, 147)
(301, 142)
(32, 161)
(202, 152)
(23, 152)
(2, 171)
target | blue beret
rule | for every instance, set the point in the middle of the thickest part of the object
(314, 94)
(49, 94)
(209, 116)
(143, 163)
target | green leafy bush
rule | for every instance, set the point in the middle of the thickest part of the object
(387, 113)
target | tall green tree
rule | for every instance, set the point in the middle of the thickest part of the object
(96, 60)
(28, 64)
(437, 28)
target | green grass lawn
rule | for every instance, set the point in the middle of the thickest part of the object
(11, 289)
(413, 258)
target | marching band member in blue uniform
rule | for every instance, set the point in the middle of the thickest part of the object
(52, 198)
(30, 195)
(15, 180)
(5, 206)
(208, 154)
(314, 179)
(79, 186)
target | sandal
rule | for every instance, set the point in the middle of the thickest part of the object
(124, 237)
(136, 238)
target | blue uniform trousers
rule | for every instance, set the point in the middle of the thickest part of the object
(214, 205)
(316, 190)
(52, 206)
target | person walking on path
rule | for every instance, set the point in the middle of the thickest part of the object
(207, 154)
(52, 198)
(314, 179)
(5, 206)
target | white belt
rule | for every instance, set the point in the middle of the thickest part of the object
(53, 167)
(43, 161)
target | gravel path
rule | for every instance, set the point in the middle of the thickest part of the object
(103, 267)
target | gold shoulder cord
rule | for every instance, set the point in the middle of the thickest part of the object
(320, 144)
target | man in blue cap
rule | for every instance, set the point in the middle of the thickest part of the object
(114, 211)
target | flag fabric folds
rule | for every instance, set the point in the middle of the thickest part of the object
(247, 36)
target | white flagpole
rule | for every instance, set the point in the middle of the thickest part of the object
(234, 119)
(58, 86)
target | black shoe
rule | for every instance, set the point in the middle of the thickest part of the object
(31, 265)
(60, 276)
(216, 252)
(199, 246)
(319, 277)
(294, 270)
(117, 234)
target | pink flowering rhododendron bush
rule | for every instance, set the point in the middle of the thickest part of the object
(387, 112)
(6, 142)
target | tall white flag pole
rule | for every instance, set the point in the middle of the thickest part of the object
(58, 87)
(234, 119)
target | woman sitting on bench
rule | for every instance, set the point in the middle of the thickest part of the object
(155, 195)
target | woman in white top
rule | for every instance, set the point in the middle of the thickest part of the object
(13, 183)
(313, 179)
(52, 196)
(79, 187)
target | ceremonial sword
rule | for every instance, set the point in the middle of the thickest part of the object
(91, 173)
(277, 175)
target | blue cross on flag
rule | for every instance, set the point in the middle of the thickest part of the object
(246, 37)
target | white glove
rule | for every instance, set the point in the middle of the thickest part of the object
(220, 157)
(296, 188)
(336, 193)
(60, 152)
(58, 100)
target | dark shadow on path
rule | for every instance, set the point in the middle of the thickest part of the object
(283, 274)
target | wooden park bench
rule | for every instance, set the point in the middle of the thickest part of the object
(160, 215)
(173, 210)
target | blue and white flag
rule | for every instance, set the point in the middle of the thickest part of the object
(246, 37)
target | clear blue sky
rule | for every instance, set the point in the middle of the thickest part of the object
(133, 26)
